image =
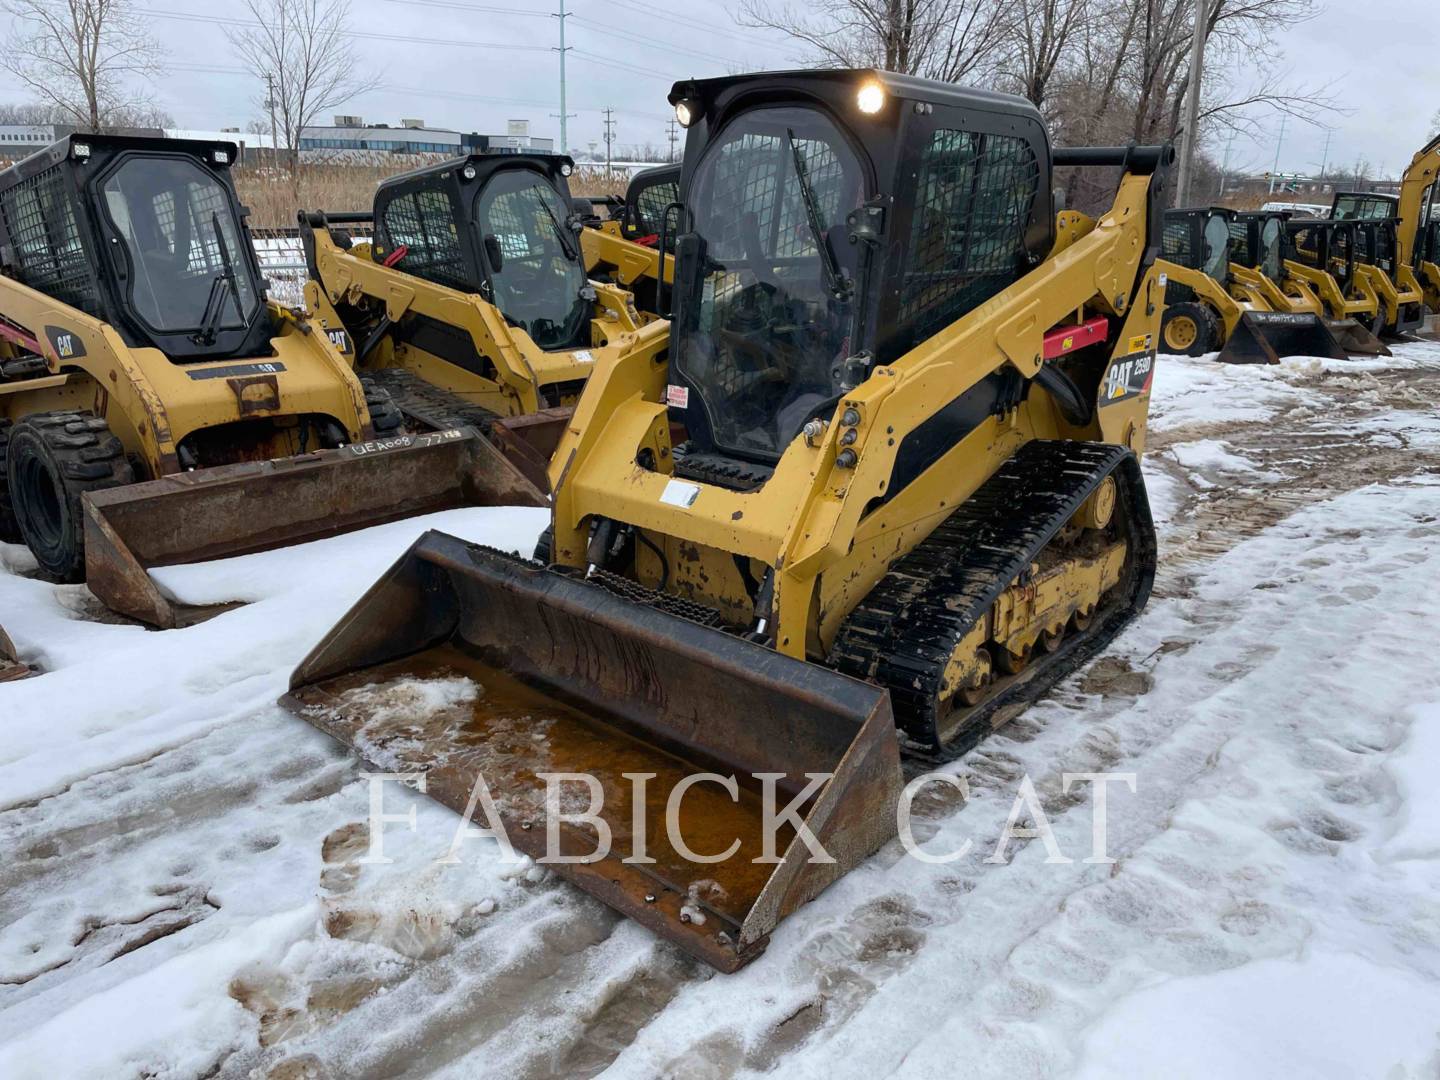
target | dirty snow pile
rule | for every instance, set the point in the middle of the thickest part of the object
(184, 895)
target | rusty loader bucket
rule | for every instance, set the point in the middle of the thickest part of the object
(1262, 337)
(1356, 338)
(255, 506)
(465, 663)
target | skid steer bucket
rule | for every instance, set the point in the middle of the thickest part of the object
(1262, 337)
(467, 664)
(255, 506)
(1355, 338)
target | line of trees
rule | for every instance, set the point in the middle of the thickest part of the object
(91, 63)
(1101, 71)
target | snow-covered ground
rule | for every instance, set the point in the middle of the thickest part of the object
(181, 894)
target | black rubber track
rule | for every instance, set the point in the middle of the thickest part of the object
(429, 407)
(904, 631)
(385, 416)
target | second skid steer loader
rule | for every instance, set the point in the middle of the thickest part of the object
(155, 408)
(1207, 309)
(886, 482)
(479, 299)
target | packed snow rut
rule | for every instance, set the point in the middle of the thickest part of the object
(186, 894)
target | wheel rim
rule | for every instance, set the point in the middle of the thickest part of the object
(1181, 332)
(38, 505)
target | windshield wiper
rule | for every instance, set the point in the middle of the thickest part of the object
(567, 241)
(224, 282)
(840, 286)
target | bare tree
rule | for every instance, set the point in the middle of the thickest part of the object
(951, 40)
(82, 58)
(300, 50)
(1039, 40)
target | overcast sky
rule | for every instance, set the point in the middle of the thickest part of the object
(473, 64)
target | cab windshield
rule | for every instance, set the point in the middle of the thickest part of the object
(535, 264)
(775, 309)
(1217, 247)
(188, 270)
(1272, 249)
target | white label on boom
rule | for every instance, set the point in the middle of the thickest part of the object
(678, 493)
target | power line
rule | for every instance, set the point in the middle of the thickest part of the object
(484, 9)
(600, 28)
(248, 24)
(650, 11)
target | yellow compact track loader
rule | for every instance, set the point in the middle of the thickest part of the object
(136, 344)
(1209, 307)
(886, 482)
(481, 299)
(1378, 257)
(1351, 265)
(1402, 229)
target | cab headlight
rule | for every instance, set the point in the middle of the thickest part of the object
(687, 112)
(871, 98)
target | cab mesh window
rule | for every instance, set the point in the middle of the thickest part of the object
(747, 177)
(423, 222)
(1240, 243)
(1176, 242)
(652, 201)
(973, 199)
(49, 254)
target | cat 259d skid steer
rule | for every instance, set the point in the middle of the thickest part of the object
(155, 408)
(481, 298)
(886, 476)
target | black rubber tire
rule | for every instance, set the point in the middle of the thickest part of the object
(1207, 329)
(53, 459)
(544, 547)
(9, 530)
(385, 416)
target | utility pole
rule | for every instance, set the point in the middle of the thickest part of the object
(1225, 164)
(674, 137)
(270, 104)
(1279, 142)
(609, 136)
(1192, 104)
(1325, 154)
(562, 15)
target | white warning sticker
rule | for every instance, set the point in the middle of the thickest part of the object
(678, 396)
(679, 493)
(583, 356)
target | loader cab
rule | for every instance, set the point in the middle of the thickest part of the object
(500, 225)
(1258, 242)
(1200, 239)
(1326, 245)
(643, 214)
(831, 222)
(145, 234)
(1366, 206)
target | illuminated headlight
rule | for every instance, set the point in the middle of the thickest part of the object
(871, 98)
(468, 172)
(80, 150)
(221, 157)
(686, 112)
(566, 168)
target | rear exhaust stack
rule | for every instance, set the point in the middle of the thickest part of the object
(556, 674)
(256, 506)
